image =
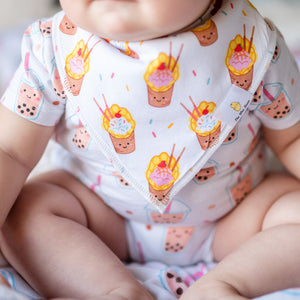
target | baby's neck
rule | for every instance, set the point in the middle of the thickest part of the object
(210, 10)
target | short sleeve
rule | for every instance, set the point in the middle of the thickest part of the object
(279, 105)
(36, 92)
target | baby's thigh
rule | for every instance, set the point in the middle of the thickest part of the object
(100, 218)
(248, 218)
(60, 194)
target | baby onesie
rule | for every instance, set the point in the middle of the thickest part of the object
(166, 131)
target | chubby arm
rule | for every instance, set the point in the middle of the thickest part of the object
(286, 146)
(22, 144)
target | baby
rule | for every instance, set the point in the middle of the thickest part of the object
(162, 110)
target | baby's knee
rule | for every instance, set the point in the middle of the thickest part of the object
(284, 211)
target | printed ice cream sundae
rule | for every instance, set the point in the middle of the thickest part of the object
(77, 65)
(240, 60)
(120, 125)
(204, 124)
(160, 76)
(207, 34)
(162, 172)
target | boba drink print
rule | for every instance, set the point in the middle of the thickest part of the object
(160, 77)
(120, 125)
(29, 98)
(162, 172)
(77, 65)
(81, 138)
(175, 283)
(257, 95)
(57, 85)
(177, 238)
(242, 188)
(240, 60)
(278, 104)
(175, 213)
(46, 28)
(204, 124)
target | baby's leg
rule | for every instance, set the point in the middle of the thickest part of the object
(258, 245)
(67, 243)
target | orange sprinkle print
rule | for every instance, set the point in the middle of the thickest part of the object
(127, 88)
(55, 102)
(170, 125)
(149, 227)
(212, 206)
(293, 81)
(129, 212)
(244, 13)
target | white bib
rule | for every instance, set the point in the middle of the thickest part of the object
(159, 109)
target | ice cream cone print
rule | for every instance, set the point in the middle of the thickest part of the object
(204, 124)
(162, 172)
(278, 105)
(77, 65)
(240, 59)
(207, 34)
(160, 76)
(177, 238)
(120, 125)
(66, 26)
(124, 48)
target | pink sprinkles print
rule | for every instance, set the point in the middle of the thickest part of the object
(93, 187)
(153, 133)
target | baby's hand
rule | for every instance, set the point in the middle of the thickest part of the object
(210, 289)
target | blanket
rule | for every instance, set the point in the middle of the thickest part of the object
(164, 282)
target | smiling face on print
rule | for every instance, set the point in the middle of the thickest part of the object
(29, 101)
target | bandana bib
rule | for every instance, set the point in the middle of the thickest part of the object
(159, 109)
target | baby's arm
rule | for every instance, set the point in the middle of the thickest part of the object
(286, 145)
(258, 243)
(21, 145)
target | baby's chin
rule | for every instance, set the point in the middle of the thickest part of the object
(125, 32)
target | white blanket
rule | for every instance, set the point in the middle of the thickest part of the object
(156, 277)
